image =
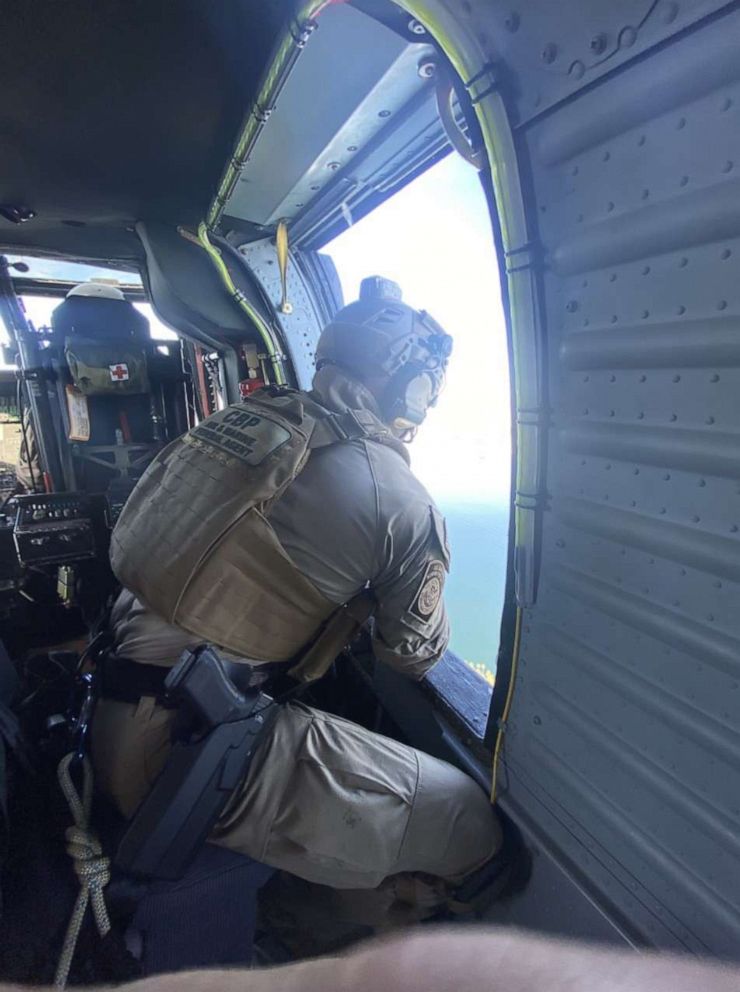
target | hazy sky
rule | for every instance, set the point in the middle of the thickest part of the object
(434, 238)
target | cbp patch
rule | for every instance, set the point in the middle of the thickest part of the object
(430, 591)
(239, 432)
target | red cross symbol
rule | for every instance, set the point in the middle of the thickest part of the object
(118, 372)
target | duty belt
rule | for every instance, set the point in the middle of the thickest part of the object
(127, 681)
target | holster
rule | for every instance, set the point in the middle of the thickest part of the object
(203, 769)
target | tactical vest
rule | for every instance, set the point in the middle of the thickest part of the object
(194, 545)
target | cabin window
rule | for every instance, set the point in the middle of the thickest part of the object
(434, 238)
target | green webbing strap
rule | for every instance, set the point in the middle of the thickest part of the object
(338, 631)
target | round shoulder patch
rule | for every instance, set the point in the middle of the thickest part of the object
(429, 592)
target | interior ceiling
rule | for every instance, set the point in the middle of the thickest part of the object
(117, 110)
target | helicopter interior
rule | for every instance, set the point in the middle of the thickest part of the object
(201, 158)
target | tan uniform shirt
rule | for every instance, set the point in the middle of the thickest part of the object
(355, 515)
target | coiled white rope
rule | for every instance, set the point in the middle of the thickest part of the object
(91, 866)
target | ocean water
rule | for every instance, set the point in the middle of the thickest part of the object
(474, 592)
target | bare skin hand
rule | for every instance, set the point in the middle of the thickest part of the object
(467, 960)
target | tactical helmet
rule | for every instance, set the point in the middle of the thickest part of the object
(381, 339)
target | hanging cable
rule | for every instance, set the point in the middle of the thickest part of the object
(507, 705)
(240, 298)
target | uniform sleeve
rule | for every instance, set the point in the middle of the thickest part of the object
(411, 629)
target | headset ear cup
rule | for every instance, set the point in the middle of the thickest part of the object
(408, 396)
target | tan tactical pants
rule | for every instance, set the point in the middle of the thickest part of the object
(324, 799)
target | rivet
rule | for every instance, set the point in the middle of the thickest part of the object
(384, 113)
(586, 321)
(577, 69)
(574, 171)
(560, 543)
(683, 263)
(662, 509)
(609, 206)
(680, 309)
(710, 420)
(673, 418)
(645, 314)
(351, 148)
(710, 617)
(646, 270)
(643, 377)
(571, 306)
(427, 69)
(585, 412)
(537, 720)
(641, 140)
(512, 21)
(702, 483)
(606, 156)
(726, 104)
(677, 378)
(714, 377)
(298, 206)
(612, 378)
(627, 37)
(633, 502)
(641, 415)
(734, 529)
(584, 283)
(598, 43)
(726, 252)
(549, 53)
(333, 166)
(613, 277)
(680, 123)
(722, 305)
(416, 27)
(315, 188)
(684, 181)
(645, 194)
(667, 477)
(695, 518)
(727, 167)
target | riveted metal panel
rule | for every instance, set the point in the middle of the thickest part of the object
(624, 737)
(309, 312)
(555, 49)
